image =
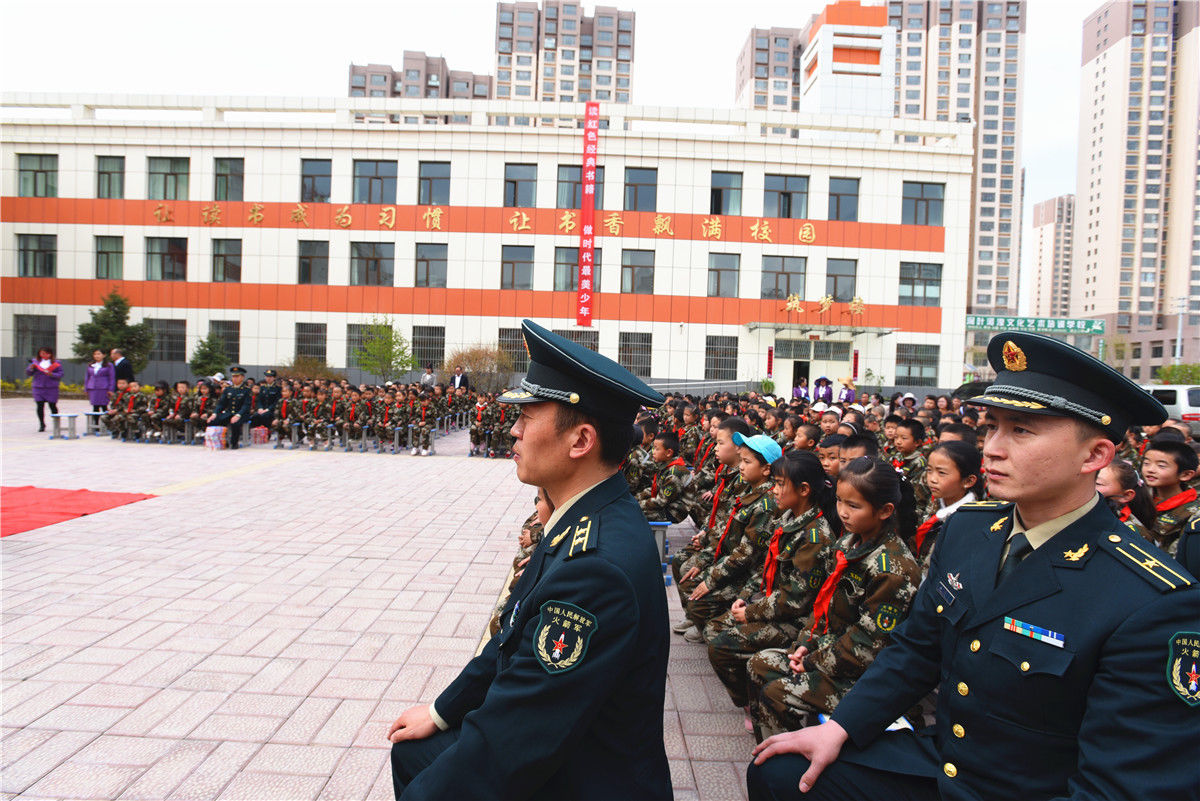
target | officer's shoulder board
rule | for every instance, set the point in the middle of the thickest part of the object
(985, 506)
(579, 538)
(1135, 553)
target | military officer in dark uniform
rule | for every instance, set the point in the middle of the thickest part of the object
(269, 393)
(1064, 646)
(566, 700)
(233, 407)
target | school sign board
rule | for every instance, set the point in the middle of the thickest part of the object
(1037, 325)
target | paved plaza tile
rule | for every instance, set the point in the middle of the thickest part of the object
(251, 631)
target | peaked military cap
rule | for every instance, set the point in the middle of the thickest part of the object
(269, 372)
(565, 371)
(236, 370)
(1040, 375)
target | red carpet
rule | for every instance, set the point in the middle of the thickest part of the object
(25, 508)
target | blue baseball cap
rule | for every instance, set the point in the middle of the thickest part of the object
(761, 444)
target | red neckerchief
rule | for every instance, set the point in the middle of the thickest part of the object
(479, 412)
(898, 463)
(203, 403)
(304, 406)
(772, 563)
(825, 594)
(353, 406)
(157, 401)
(370, 407)
(423, 408)
(707, 451)
(1176, 502)
(501, 414)
(732, 514)
(922, 530)
(177, 402)
(677, 462)
(132, 399)
(1142, 447)
(1124, 514)
(283, 408)
(712, 518)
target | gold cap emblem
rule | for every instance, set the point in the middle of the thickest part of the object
(1014, 357)
(574, 397)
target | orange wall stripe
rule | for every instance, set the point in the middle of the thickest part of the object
(165, 217)
(855, 55)
(458, 303)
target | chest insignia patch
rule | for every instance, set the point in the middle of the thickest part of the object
(1034, 632)
(1183, 673)
(560, 642)
(952, 578)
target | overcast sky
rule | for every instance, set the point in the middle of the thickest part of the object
(265, 47)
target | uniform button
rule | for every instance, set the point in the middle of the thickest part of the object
(1114, 537)
(975, 645)
(940, 608)
(959, 731)
(963, 689)
(1024, 667)
(950, 770)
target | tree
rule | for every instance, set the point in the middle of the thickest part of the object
(1179, 374)
(209, 356)
(384, 352)
(109, 328)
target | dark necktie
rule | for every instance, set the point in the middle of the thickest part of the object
(1018, 549)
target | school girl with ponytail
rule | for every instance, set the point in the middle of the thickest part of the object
(871, 579)
(952, 476)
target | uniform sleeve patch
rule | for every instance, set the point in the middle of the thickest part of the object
(560, 642)
(1183, 675)
(887, 617)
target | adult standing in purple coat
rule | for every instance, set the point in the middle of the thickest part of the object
(100, 381)
(47, 374)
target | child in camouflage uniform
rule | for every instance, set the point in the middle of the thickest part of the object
(157, 408)
(357, 416)
(666, 500)
(500, 442)
(128, 418)
(871, 582)
(482, 414)
(689, 443)
(527, 540)
(113, 413)
(1167, 466)
(318, 418)
(769, 610)
(180, 411)
(910, 435)
(284, 414)
(424, 418)
(389, 415)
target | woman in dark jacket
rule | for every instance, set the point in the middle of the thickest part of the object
(47, 374)
(100, 380)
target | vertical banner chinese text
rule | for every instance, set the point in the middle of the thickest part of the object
(587, 215)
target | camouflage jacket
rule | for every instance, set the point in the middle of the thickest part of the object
(182, 406)
(391, 415)
(357, 413)
(689, 443)
(287, 410)
(666, 498)
(913, 466)
(130, 403)
(743, 541)
(799, 572)
(632, 467)
(1173, 515)
(872, 597)
(158, 407)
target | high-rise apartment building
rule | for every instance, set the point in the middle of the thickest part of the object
(419, 76)
(557, 53)
(768, 70)
(1053, 237)
(1138, 244)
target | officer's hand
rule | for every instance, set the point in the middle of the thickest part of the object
(796, 659)
(414, 724)
(738, 610)
(700, 591)
(235, 418)
(691, 574)
(819, 744)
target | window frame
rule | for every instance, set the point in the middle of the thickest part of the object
(641, 195)
(428, 261)
(229, 184)
(372, 263)
(520, 192)
(634, 275)
(513, 269)
(37, 255)
(106, 178)
(165, 171)
(38, 179)
(310, 182)
(835, 281)
(789, 276)
(843, 206)
(433, 190)
(376, 187)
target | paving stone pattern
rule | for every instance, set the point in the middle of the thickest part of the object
(252, 632)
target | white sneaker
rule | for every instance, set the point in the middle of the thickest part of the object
(693, 635)
(425, 451)
(682, 626)
(415, 451)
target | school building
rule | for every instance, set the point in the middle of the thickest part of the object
(729, 243)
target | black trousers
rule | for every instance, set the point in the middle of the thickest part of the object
(778, 779)
(263, 419)
(410, 757)
(41, 411)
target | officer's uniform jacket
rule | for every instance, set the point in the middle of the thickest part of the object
(1066, 681)
(566, 701)
(234, 400)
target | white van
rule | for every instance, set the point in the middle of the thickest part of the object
(1182, 402)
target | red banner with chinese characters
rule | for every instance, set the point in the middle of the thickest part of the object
(587, 215)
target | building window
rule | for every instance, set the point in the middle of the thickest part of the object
(166, 258)
(723, 275)
(840, 279)
(725, 196)
(110, 177)
(786, 197)
(570, 187)
(637, 272)
(313, 262)
(230, 177)
(720, 358)
(512, 343)
(429, 344)
(315, 177)
(431, 265)
(783, 276)
(110, 257)
(31, 332)
(170, 340)
(227, 260)
(516, 267)
(843, 199)
(641, 189)
(633, 352)
(230, 334)
(923, 203)
(375, 182)
(917, 365)
(356, 337)
(168, 178)
(566, 270)
(310, 341)
(520, 185)
(37, 175)
(37, 255)
(588, 338)
(372, 263)
(433, 183)
(920, 284)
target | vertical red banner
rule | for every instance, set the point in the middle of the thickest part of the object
(770, 362)
(587, 216)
